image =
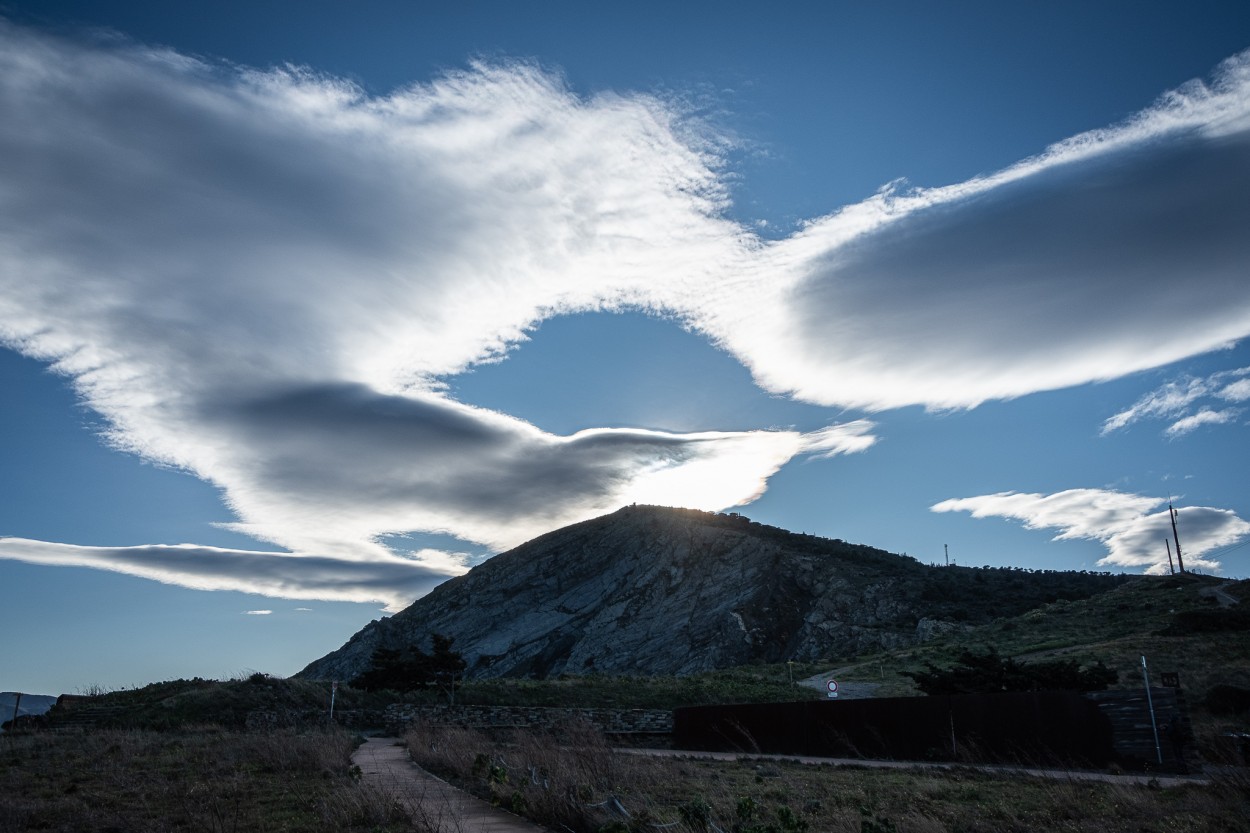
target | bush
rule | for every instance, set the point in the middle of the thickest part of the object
(410, 669)
(1208, 621)
(1227, 699)
(989, 673)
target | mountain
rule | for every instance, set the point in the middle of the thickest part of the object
(650, 590)
(28, 705)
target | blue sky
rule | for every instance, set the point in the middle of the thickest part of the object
(307, 307)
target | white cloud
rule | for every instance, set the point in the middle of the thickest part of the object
(1206, 416)
(257, 612)
(1175, 399)
(844, 438)
(394, 582)
(281, 268)
(1170, 400)
(1115, 251)
(1238, 391)
(1130, 526)
(261, 278)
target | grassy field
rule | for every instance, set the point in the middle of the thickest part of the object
(204, 780)
(573, 781)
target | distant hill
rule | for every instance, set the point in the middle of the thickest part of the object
(30, 704)
(650, 590)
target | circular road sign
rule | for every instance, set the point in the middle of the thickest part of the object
(832, 685)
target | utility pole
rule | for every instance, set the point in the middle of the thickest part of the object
(17, 701)
(1179, 560)
(1168, 544)
(946, 549)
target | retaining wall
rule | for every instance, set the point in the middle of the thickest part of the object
(609, 721)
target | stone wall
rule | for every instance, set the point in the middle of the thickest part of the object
(610, 721)
(268, 719)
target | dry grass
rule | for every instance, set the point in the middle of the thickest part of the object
(207, 780)
(573, 781)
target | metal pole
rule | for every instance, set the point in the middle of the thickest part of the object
(17, 701)
(334, 689)
(1179, 560)
(1171, 571)
(1150, 704)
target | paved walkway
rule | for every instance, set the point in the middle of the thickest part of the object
(435, 805)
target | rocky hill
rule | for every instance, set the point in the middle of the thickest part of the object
(650, 590)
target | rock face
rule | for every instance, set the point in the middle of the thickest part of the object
(648, 590)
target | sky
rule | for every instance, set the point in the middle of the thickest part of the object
(305, 308)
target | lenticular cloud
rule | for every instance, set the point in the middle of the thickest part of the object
(262, 277)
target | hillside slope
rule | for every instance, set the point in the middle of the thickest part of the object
(1197, 627)
(649, 590)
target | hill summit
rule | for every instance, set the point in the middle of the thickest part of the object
(650, 590)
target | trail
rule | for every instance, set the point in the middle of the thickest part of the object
(434, 804)
(1222, 597)
(1149, 779)
(847, 690)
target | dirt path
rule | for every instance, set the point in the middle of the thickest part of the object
(1221, 596)
(1057, 774)
(435, 805)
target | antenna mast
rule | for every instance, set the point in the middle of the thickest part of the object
(1180, 561)
(1168, 544)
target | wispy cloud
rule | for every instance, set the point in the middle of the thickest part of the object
(257, 612)
(845, 438)
(1238, 391)
(262, 277)
(1175, 401)
(1132, 527)
(1206, 416)
(394, 582)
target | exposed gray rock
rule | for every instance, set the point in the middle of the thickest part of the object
(928, 629)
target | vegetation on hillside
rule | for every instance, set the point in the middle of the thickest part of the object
(951, 593)
(989, 673)
(177, 704)
(1147, 616)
